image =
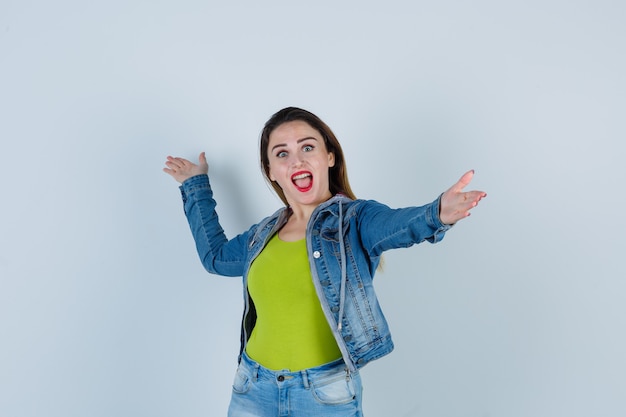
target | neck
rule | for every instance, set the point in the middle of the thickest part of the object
(302, 212)
(295, 228)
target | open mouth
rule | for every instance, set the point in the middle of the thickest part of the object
(303, 180)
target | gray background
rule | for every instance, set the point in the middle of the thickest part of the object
(105, 309)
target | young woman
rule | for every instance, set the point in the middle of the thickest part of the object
(311, 318)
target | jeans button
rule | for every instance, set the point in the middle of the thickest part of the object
(280, 378)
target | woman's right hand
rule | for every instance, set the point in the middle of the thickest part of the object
(181, 169)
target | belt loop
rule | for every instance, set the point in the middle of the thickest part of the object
(255, 372)
(252, 366)
(305, 379)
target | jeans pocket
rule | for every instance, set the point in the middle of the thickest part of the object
(335, 390)
(241, 384)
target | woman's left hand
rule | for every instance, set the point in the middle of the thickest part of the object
(456, 204)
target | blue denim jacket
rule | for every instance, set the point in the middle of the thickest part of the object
(345, 239)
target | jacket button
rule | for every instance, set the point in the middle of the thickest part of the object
(317, 254)
(334, 309)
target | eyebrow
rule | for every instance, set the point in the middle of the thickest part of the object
(298, 141)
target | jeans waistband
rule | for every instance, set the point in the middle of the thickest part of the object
(304, 377)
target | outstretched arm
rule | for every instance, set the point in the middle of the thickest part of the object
(181, 169)
(456, 204)
(218, 254)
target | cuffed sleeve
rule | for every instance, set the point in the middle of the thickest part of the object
(434, 221)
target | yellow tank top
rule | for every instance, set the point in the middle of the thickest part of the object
(291, 331)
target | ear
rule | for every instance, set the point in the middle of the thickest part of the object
(331, 159)
(269, 174)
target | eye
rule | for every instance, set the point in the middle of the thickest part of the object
(281, 154)
(308, 148)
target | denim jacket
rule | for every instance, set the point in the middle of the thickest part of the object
(345, 239)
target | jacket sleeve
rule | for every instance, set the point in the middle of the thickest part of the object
(218, 254)
(383, 228)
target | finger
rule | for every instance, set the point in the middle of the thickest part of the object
(182, 161)
(478, 195)
(472, 199)
(463, 181)
(173, 164)
(202, 158)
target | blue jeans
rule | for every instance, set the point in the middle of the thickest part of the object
(327, 390)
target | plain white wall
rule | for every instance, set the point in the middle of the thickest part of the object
(105, 309)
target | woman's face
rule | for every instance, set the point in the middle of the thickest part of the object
(299, 163)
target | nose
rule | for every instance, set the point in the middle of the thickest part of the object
(296, 160)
